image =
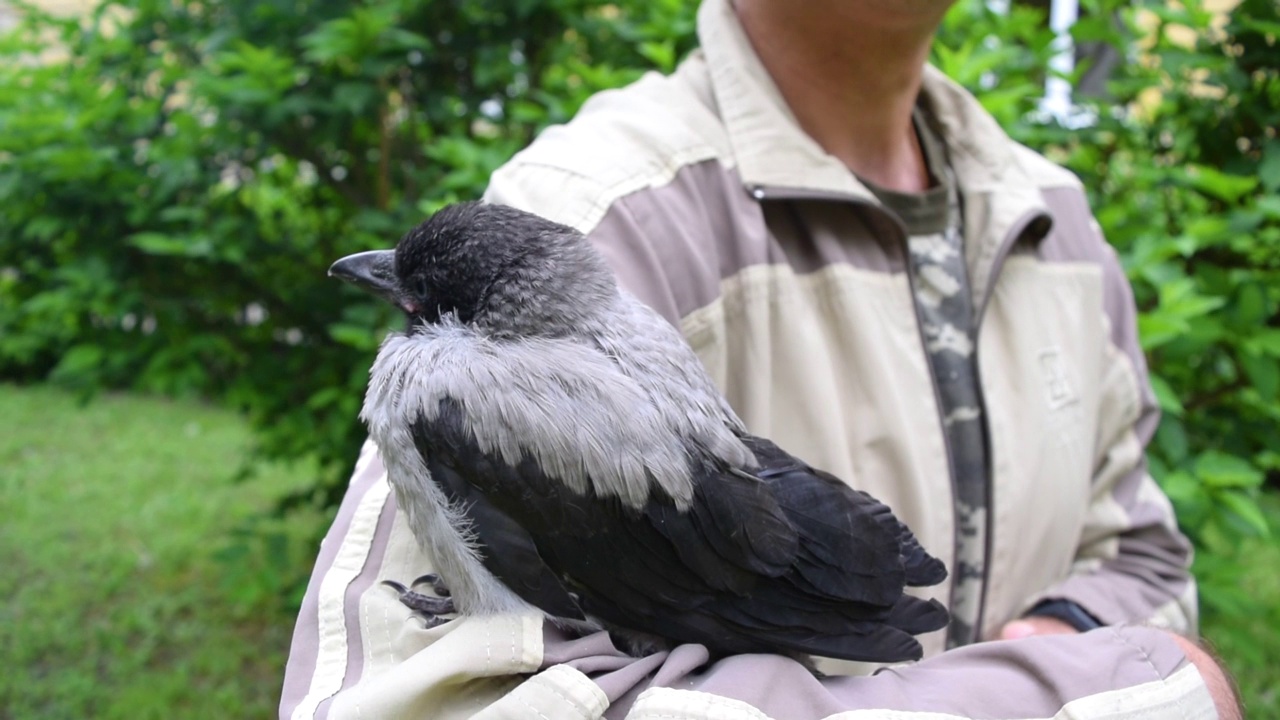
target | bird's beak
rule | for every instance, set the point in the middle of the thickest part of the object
(373, 271)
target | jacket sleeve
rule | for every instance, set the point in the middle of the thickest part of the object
(1116, 672)
(358, 653)
(1132, 563)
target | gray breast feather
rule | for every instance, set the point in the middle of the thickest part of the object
(562, 403)
(653, 353)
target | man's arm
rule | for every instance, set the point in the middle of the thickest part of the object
(1132, 563)
(358, 652)
(1115, 673)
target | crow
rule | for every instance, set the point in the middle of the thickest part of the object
(557, 447)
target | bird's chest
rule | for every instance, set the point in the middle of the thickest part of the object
(437, 518)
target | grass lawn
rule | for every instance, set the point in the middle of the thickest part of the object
(1249, 640)
(132, 587)
(141, 580)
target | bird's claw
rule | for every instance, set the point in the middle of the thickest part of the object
(432, 579)
(430, 608)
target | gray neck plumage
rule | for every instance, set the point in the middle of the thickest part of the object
(531, 301)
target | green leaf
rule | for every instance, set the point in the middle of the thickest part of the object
(154, 243)
(1171, 438)
(1251, 307)
(43, 228)
(355, 98)
(1269, 168)
(1183, 299)
(1268, 27)
(1270, 206)
(1204, 231)
(1263, 373)
(1220, 470)
(1181, 486)
(1219, 184)
(661, 54)
(1247, 509)
(362, 337)
(79, 361)
(1265, 342)
(1187, 494)
(1155, 330)
(1165, 396)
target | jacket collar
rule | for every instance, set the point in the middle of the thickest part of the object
(776, 158)
(770, 148)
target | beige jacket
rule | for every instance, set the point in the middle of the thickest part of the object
(790, 282)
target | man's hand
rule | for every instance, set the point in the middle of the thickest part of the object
(1033, 625)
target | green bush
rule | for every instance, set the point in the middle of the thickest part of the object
(173, 188)
(174, 185)
(1199, 228)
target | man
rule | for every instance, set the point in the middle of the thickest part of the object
(886, 285)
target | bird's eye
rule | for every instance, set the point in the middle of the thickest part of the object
(420, 287)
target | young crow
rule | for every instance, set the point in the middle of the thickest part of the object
(556, 445)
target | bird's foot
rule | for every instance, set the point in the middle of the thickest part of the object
(437, 585)
(430, 608)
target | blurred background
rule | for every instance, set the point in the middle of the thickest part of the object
(179, 381)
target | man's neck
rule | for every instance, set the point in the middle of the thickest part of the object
(851, 76)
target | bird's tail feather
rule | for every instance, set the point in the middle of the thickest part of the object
(913, 615)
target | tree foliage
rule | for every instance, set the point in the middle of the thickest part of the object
(175, 178)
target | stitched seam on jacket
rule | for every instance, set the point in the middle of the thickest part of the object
(331, 655)
(673, 704)
(1139, 702)
(659, 172)
(1146, 657)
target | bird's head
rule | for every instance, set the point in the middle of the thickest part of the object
(503, 270)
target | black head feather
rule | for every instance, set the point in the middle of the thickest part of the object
(501, 268)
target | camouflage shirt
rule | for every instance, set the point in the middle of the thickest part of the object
(944, 309)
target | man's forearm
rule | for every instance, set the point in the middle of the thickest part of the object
(1130, 672)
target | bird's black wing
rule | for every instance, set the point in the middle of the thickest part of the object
(783, 562)
(849, 543)
(506, 548)
(921, 569)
